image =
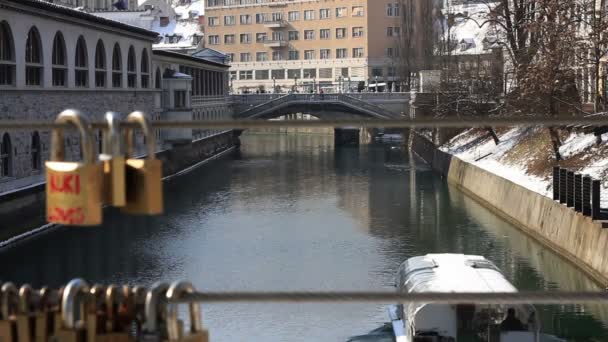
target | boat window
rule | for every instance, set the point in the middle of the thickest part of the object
(481, 264)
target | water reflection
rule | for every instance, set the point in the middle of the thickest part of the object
(293, 213)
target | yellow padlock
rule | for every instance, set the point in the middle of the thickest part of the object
(113, 163)
(73, 189)
(144, 176)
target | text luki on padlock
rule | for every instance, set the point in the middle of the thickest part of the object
(144, 176)
(9, 301)
(174, 327)
(73, 189)
(113, 161)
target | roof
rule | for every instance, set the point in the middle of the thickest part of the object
(187, 57)
(58, 9)
(208, 52)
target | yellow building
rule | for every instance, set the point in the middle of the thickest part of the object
(333, 45)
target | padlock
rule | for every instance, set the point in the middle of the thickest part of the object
(155, 325)
(73, 302)
(8, 306)
(73, 189)
(95, 316)
(144, 176)
(113, 161)
(115, 330)
(44, 316)
(197, 333)
(26, 318)
(139, 300)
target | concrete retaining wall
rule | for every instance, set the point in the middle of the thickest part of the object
(572, 235)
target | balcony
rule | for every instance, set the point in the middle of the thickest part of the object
(275, 24)
(275, 43)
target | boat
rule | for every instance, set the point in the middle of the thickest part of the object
(423, 322)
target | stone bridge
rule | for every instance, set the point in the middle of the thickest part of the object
(326, 106)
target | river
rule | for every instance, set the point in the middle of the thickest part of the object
(291, 212)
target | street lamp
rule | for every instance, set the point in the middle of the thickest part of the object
(274, 85)
(314, 84)
(232, 84)
(339, 84)
(295, 87)
(376, 88)
(349, 90)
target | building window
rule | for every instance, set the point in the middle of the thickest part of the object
(278, 74)
(245, 75)
(229, 20)
(245, 57)
(260, 37)
(116, 67)
(100, 65)
(325, 73)
(35, 151)
(309, 54)
(261, 74)
(6, 156)
(7, 55)
(392, 71)
(277, 56)
(245, 19)
(245, 38)
(389, 10)
(261, 56)
(213, 21)
(229, 39)
(33, 58)
(59, 60)
(357, 32)
(145, 69)
(310, 73)
(325, 33)
(293, 55)
(309, 34)
(214, 40)
(377, 72)
(357, 52)
(325, 54)
(158, 79)
(340, 33)
(294, 73)
(357, 11)
(179, 99)
(81, 63)
(340, 12)
(309, 15)
(341, 53)
(293, 16)
(294, 35)
(131, 69)
(396, 10)
(324, 13)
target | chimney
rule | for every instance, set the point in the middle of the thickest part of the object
(164, 21)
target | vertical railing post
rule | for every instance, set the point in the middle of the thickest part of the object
(563, 189)
(578, 193)
(556, 183)
(586, 195)
(570, 187)
(595, 199)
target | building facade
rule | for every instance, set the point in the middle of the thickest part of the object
(53, 58)
(280, 45)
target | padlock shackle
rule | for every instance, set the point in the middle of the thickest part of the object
(25, 298)
(71, 293)
(176, 290)
(8, 290)
(112, 294)
(96, 295)
(57, 137)
(141, 119)
(111, 144)
(153, 297)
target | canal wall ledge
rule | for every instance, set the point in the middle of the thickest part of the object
(29, 201)
(572, 235)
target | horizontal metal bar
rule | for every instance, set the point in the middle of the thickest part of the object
(395, 297)
(376, 123)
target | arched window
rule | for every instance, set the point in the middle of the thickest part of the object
(81, 63)
(6, 156)
(131, 69)
(60, 64)
(158, 79)
(116, 67)
(7, 55)
(33, 58)
(35, 151)
(100, 65)
(145, 70)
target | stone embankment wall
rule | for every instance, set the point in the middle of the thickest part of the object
(29, 202)
(572, 235)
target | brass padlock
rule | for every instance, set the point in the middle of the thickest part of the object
(73, 189)
(73, 313)
(197, 333)
(113, 161)
(144, 176)
(155, 325)
(26, 319)
(95, 317)
(44, 316)
(139, 300)
(8, 305)
(115, 329)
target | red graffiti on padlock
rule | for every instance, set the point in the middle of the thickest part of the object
(66, 215)
(65, 183)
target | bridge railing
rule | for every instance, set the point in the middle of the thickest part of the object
(367, 106)
(201, 100)
(254, 98)
(380, 96)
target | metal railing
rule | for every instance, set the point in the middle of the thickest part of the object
(579, 192)
(201, 100)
